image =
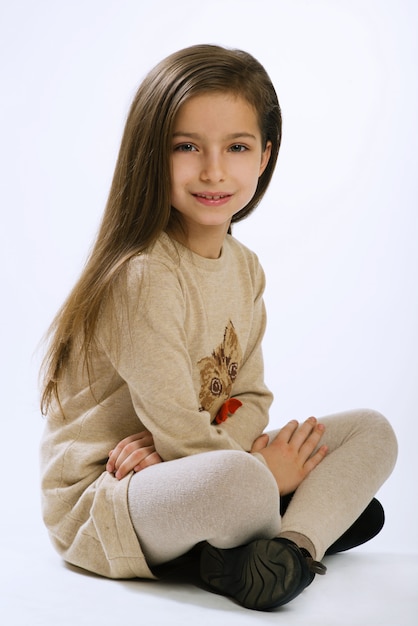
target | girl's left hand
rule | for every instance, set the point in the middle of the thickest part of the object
(260, 443)
(133, 453)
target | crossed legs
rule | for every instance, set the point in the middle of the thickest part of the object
(229, 498)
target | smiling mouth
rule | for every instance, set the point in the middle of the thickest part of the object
(210, 196)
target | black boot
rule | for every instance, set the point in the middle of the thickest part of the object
(367, 526)
(261, 575)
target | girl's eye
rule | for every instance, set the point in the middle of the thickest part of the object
(185, 147)
(238, 148)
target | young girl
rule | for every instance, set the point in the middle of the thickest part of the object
(156, 357)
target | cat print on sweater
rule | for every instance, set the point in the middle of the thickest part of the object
(218, 373)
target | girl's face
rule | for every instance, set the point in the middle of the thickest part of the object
(217, 159)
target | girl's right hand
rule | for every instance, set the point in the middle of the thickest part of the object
(133, 453)
(291, 456)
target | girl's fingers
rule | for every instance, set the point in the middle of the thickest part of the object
(119, 454)
(305, 438)
(315, 460)
(110, 466)
(312, 441)
(260, 443)
(151, 459)
(302, 434)
(285, 434)
(135, 459)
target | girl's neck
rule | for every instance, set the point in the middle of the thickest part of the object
(206, 244)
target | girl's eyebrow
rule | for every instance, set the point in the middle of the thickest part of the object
(243, 134)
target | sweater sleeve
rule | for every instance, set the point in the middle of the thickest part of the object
(252, 417)
(143, 334)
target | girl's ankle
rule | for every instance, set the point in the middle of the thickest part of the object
(300, 540)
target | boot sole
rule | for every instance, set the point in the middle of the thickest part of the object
(262, 575)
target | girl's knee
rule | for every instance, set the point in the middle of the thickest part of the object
(242, 467)
(247, 498)
(369, 428)
(247, 478)
(376, 433)
(381, 429)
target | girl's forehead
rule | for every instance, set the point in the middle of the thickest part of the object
(216, 110)
(217, 99)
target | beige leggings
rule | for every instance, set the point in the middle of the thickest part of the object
(228, 498)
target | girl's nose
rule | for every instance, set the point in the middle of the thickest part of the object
(212, 168)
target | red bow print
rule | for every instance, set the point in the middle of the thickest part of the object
(228, 408)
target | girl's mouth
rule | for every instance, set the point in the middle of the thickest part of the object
(212, 199)
(212, 196)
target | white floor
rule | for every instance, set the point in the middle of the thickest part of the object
(361, 588)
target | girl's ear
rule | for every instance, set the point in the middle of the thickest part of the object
(265, 157)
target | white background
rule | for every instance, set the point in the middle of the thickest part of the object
(337, 232)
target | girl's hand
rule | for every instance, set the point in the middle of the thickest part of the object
(133, 453)
(290, 456)
(260, 443)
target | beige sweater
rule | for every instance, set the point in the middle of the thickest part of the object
(178, 338)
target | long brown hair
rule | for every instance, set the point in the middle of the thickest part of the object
(139, 204)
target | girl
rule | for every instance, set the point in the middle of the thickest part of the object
(156, 356)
